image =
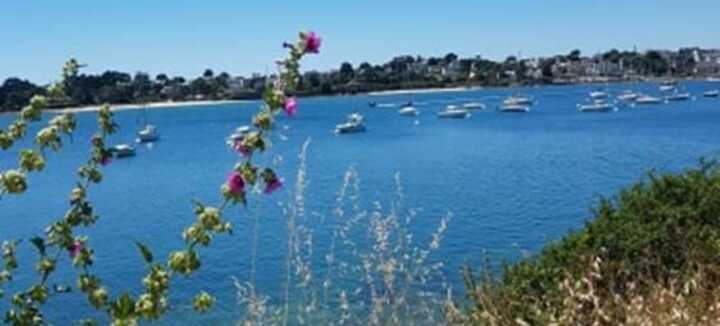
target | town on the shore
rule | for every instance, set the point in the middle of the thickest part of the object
(402, 72)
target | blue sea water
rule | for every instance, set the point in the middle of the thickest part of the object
(513, 182)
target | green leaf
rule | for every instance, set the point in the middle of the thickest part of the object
(145, 251)
(39, 244)
(123, 308)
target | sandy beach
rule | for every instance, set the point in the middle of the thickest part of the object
(153, 105)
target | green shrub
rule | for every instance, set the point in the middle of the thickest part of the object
(660, 229)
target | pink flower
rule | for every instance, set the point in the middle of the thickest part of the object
(273, 184)
(76, 248)
(105, 160)
(241, 148)
(291, 105)
(235, 183)
(312, 43)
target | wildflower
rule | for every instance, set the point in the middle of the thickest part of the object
(76, 248)
(312, 42)
(235, 183)
(291, 105)
(241, 148)
(105, 160)
(272, 183)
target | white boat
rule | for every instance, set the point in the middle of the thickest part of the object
(518, 100)
(408, 111)
(148, 134)
(714, 93)
(474, 106)
(239, 134)
(678, 97)
(647, 99)
(628, 96)
(668, 85)
(453, 112)
(515, 108)
(353, 125)
(713, 79)
(597, 95)
(597, 106)
(123, 150)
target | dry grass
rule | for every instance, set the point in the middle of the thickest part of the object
(372, 273)
(590, 300)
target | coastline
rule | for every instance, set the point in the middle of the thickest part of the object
(152, 105)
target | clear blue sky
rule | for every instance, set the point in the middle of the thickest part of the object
(183, 37)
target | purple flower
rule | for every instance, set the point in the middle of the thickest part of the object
(235, 183)
(76, 248)
(291, 105)
(312, 43)
(105, 160)
(241, 148)
(273, 184)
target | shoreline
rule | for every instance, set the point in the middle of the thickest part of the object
(151, 105)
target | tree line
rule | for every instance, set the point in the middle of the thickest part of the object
(401, 72)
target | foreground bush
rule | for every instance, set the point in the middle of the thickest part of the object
(656, 250)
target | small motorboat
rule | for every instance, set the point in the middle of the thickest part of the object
(714, 93)
(678, 97)
(597, 95)
(473, 106)
(515, 108)
(668, 85)
(518, 100)
(597, 106)
(409, 111)
(123, 150)
(238, 134)
(148, 134)
(628, 96)
(372, 104)
(647, 99)
(453, 112)
(353, 125)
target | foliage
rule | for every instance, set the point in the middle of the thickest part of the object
(659, 231)
(61, 236)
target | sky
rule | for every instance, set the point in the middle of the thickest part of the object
(184, 37)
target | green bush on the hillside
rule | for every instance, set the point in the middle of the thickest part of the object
(660, 228)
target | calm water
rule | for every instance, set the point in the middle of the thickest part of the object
(512, 182)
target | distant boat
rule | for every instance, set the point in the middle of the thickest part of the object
(353, 125)
(678, 97)
(123, 150)
(714, 93)
(148, 134)
(667, 85)
(372, 104)
(597, 95)
(474, 106)
(713, 79)
(453, 112)
(515, 108)
(239, 134)
(518, 100)
(647, 99)
(597, 106)
(628, 96)
(408, 111)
